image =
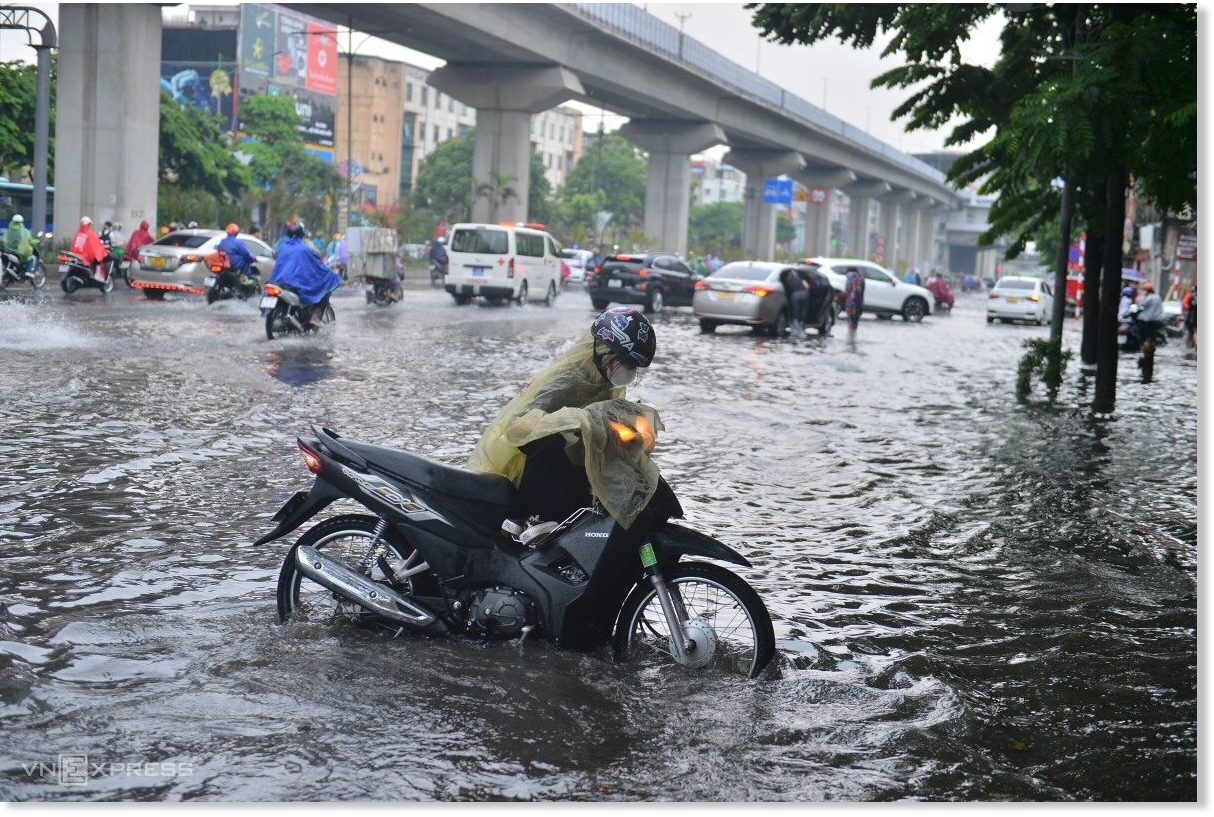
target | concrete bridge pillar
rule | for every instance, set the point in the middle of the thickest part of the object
(818, 214)
(759, 219)
(107, 123)
(927, 240)
(505, 97)
(912, 222)
(895, 250)
(861, 195)
(668, 187)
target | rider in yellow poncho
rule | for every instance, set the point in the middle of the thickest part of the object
(570, 432)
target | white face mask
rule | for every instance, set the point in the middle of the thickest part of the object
(619, 374)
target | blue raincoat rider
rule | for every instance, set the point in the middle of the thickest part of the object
(298, 269)
(239, 257)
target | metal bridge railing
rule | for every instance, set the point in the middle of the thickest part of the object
(634, 24)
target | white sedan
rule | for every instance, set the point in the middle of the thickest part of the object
(576, 261)
(1020, 299)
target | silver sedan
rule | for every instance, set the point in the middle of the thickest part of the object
(174, 263)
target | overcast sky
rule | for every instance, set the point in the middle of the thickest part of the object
(829, 75)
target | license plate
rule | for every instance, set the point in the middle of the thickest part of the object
(63, 267)
(209, 281)
(268, 302)
(1012, 300)
(615, 282)
(724, 296)
(479, 272)
(156, 262)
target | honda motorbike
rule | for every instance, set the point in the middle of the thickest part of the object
(13, 271)
(77, 273)
(224, 283)
(443, 551)
(286, 314)
(1132, 332)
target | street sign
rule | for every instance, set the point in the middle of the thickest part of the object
(777, 191)
(817, 195)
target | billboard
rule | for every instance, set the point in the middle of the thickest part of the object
(284, 53)
(198, 68)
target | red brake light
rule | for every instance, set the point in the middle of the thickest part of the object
(510, 269)
(702, 285)
(272, 290)
(598, 270)
(623, 258)
(643, 272)
(762, 292)
(311, 460)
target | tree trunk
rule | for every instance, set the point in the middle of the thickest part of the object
(1110, 287)
(1093, 257)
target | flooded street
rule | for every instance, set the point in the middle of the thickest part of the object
(972, 598)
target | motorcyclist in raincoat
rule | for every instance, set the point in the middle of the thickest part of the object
(570, 433)
(89, 248)
(20, 243)
(299, 269)
(138, 240)
(239, 258)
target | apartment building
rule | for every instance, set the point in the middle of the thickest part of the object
(375, 108)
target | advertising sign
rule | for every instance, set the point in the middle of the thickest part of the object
(284, 53)
(1186, 247)
(207, 87)
(777, 191)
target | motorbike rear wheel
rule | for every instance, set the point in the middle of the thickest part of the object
(277, 324)
(39, 279)
(348, 539)
(744, 641)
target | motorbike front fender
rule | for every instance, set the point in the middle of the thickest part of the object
(300, 511)
(676, 540)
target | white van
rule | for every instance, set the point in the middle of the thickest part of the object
(497, 261)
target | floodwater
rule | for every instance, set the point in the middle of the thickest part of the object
(973, 598)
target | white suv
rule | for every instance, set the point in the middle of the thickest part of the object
(884, 295)
(497, 262)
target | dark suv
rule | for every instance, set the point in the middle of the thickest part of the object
(654, 280)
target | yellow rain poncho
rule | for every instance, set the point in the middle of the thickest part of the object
(570, 396)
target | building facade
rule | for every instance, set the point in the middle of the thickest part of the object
(716, 182)
(372, 90)
(557, 137)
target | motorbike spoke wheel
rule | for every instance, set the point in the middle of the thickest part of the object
(39, 279)
(277, 324)
(743, 639)
(347, 539)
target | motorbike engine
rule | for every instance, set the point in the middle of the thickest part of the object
(499, 612)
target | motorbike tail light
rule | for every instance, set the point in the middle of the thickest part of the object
(598, 270)
(762, 292)
(62, 259)
(510, 268)
(272, 290)
(216, 268)
(701, 285)
(312, 460)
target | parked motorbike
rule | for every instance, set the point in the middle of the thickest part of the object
(1132, 332)
(13, 271)
(78, 273)
(224, 283)
(442, 553)
(286, 314)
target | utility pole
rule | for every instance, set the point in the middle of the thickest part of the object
(18, 18)
(682, 18)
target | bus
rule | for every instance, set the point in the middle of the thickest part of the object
(19, 198)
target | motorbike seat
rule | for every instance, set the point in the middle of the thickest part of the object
(456, 482)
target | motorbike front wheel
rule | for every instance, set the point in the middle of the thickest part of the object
(39, 279)
(728, 624)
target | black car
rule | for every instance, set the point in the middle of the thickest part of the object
(653, 280)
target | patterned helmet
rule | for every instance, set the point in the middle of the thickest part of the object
(628, 335)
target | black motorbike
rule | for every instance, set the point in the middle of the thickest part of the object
(382, 291)
(286, 314)
(1133, 332)
(225, 283)
(13, 271)
(77, 273)
(438, 272)
(443, 553)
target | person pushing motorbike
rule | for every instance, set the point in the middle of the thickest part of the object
(550, 471)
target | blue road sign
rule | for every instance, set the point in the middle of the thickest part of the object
(777, 191)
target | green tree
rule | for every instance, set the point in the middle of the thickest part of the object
(445, 185)
(1094, 93)
(194, 153)
(294, 183)
(614, 168)
(785, 231)
(18, 94)
(716, 228)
